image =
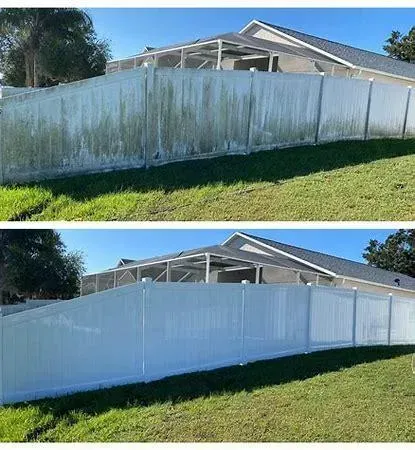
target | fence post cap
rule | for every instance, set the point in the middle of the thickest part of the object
(354, 288)
(309, 284)
(245, 281)
(146, 280)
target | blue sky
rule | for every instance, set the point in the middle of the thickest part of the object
(129, 30)
(103, 248)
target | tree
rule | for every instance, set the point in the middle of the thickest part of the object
(400, 46)
(49, 45)
(397, 253)
(35, 263)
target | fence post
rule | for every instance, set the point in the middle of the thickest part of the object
(1, 145)
(308, 329)
(146, 287)
(369, 104)
(390, 318)
(405, 120)
(354, 316)
(1, 362)
(149, 92)
(319, 107)
(242, 358)
(250, 109)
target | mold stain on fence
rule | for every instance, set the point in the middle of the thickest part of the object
(147, 116)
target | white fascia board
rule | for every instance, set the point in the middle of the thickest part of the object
(298, 41)
(288, 255)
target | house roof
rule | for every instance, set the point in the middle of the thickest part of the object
(341, 266)
(356, 56)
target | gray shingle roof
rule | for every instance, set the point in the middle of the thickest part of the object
(341, 266)
(355, 56)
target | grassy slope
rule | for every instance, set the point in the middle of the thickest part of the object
(371, 180)
(364, 394)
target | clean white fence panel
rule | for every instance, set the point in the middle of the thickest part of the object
(197, 113)
(275, 321)
(146, 331)
(331, 318)
(343, 109)
(387, 110)
(191, 326)
(403, 321)
(284, 109)
(74, 345)
(372, 317)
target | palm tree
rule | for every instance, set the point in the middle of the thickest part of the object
(26, 28)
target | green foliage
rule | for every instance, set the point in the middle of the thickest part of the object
(45, 46)
(370, 180)
(401, 46)
(36, 263)
(354, 394)
(397, 253)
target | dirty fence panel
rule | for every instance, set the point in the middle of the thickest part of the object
(284, 109)
(403, 321)
(387, 110)
(331, 324)
(196, 113)
(91, 125)
(75, 345)
(343, 109)
(276, 319)
(191, 326)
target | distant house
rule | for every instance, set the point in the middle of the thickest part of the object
(266, 47)
(246, 257)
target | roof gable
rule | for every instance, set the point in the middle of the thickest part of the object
(355, 56)
(340, 266)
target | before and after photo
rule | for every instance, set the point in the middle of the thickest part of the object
(207, 224)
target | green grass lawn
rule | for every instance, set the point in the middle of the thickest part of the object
(371, 180)
(363, 394)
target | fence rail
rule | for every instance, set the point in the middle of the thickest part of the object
(147, 331)
(150, 116)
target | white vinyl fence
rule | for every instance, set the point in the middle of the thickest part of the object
(150, 116)
(147, 331)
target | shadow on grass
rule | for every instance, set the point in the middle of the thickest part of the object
(269, 166)
(228, 380)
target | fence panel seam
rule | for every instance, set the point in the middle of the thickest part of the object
(354, 317)
(309, 316)
(390, 318)
(319, 108)
(405, 121)
(250, 109)
(369, 103)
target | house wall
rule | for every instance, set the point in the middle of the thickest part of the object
(240, 243)
(296, 65)
(367, 287)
